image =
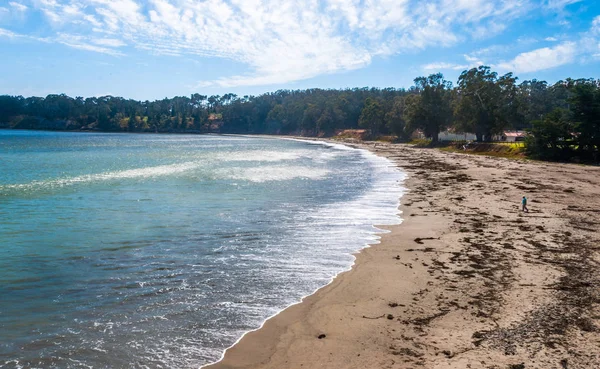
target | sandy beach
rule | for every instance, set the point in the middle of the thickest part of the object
(468, 280)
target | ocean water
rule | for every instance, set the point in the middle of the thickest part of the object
(160, 251)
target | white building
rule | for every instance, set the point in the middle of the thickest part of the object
(512, 136)
(456, 136)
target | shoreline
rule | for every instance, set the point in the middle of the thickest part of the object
(290, 312)
(443, 289)
(380, 229)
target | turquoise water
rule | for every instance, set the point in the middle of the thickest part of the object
(153, 251)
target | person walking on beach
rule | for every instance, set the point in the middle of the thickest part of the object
(524, 203)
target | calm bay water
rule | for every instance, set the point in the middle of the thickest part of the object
(159, 251)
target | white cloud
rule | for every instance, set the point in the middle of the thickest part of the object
(595, 29)
(74, 41)
(110, 42)
(444, 66)
(202, 84)
(471, 62)
(82, 43)
(490, 51)
(543, 58)
(17, 6)
(560, 4)
(279, 41)
(72, 10)
(583, 49)
(474, 61)
(489, 30)
(7, 33)
(551, 39)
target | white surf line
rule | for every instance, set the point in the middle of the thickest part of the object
(377, 231)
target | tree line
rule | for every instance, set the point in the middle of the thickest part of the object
(563, 119)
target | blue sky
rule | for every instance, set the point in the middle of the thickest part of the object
(163, 48)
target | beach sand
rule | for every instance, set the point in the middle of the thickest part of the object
(468, 280)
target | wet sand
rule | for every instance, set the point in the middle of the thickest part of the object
(468, 280)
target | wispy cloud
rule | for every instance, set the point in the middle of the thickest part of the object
(562, 10)
(8, 34)
(280, 41)
(110, 42)
(543, 58)
(74, 41)
(436, 67)
(559, 4)
(580, 48)
(471, 61)
(596, 26)
(583, 48)
(82, 43)
(17, 6)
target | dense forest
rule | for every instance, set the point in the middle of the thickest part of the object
(563, 119)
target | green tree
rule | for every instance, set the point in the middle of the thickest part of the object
(585, 107)
(485, 102)
(309, 119)
(372, 116)
(275, 119)
(534, 100)
(132, 123)
(326, 122)
(430, 110)
(551, 137)
(395, 117)
(9, 107)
